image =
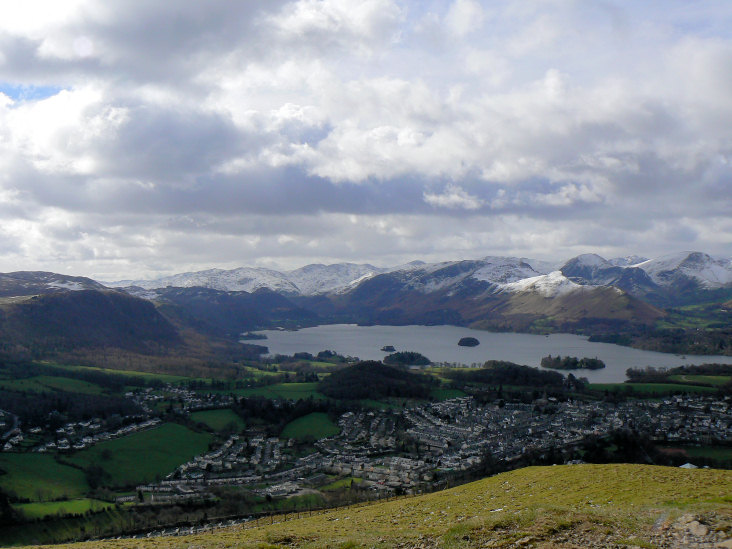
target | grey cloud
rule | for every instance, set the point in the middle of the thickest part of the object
(250, 133)
(144, 41)
(171, 145)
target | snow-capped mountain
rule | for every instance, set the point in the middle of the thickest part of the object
(506, 270)
(320, 279)
(456, 277)
(243, 279)
(671, 269)
(309, 280)
(671, 280)
(22, 283)
(591, 269)
(663, 281)
(548, 285)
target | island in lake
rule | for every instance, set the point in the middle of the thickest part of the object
(468, 342)
(252, 335)
(571, 363)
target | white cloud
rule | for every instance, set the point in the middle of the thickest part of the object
(464, 17)
(453, 197)
(543, 116)
(367, 24)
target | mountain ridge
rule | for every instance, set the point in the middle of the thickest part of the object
(587, 294)
(635, 274)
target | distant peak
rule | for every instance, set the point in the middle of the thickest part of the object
(590, 260)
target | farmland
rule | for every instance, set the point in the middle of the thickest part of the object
(219, 420)
(716, 381)
(39, 477)
(68, 507)
(312, 426)
(144, 456)
(42, 384)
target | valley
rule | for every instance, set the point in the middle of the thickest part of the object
(238, 395)
(182, 452)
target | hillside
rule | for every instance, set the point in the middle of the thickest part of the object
(86, 318)
(24, 283)
(371, 379)
(228, 314)
(560, 506)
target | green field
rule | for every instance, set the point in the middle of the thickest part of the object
(288, 391)
(711, 452)
(144, 456)
(74, 506)
(166, 378)
(45, 384)
(108, 521)
(650, 388)
(259, 373)
(39, 477)
(219, 420)
(716, 381)
(341, 483)
(312, 426)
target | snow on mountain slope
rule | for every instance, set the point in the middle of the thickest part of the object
(434, 277)
(709, 272)
(320, 279)
(454, 275)
(245, 279)
(548, 285)
(590, 260)
(503, 270)
(492, 273)
(308, 280)
(41, 282)
(627, 261)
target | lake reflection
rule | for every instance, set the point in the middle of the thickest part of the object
(439, 344)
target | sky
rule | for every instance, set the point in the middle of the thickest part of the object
(140, 138)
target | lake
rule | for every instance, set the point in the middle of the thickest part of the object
(439, 344)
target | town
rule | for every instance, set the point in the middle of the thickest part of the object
(400, 451)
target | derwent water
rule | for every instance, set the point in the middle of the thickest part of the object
(439, 343)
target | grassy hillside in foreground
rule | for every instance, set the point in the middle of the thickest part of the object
(561, 506)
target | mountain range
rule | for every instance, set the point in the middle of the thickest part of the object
(634, 274)
(586, 294)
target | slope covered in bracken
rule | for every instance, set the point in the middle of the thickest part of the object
(560, 506)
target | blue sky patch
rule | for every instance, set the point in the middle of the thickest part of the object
(28, 93)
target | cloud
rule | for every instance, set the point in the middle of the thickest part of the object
(453, 197)
(147, 136)
(464, 17)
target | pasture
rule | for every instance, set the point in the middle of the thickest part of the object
(219, 420)
(69, 507)
(145, 456)
(310, 427)
(716, 381)
(38, 477)
(287, 391)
